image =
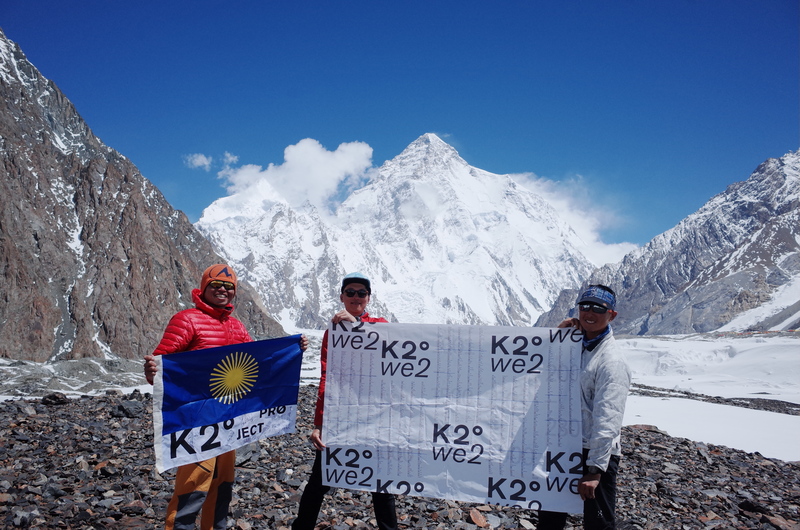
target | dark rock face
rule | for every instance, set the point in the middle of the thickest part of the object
(88, 464)
(92, 257)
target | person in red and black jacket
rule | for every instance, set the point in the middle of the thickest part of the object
(206, 485)
(355, 295)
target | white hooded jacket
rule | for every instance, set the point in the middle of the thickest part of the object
(605, 380)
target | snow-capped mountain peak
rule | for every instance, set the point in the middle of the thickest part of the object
(442, 240)
(426, 153)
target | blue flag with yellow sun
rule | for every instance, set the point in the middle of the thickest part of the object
(207, 402)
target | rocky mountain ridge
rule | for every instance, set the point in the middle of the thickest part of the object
(94, 260)
(732, 265)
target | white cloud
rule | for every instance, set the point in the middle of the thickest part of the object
(198, 160)
(309, 173)
(229, 159)
(578, 203)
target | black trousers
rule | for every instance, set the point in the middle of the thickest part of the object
(311, 502)
(598, 513)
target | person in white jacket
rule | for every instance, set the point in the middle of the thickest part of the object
(605, 380)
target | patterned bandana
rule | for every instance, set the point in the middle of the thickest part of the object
(591, 344)
(596, 295)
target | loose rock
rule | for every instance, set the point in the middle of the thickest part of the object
(90, 465)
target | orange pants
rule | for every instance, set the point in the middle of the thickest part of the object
(207, 485)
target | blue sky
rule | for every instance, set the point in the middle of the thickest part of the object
(643, 109)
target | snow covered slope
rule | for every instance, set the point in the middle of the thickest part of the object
(444, 242)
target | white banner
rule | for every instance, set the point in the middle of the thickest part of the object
(471, 413)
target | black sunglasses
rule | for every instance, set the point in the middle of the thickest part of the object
(362, 293)
(216, 284)
(593, 308)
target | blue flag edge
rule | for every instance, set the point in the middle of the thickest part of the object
(158, 400)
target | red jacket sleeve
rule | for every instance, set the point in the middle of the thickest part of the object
(177, 336)
(323, 360)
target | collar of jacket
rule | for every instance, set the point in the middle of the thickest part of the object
(220, 313)
(591, 344)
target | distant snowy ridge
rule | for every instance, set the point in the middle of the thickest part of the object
(444, 242)
(732, 265)
(449, 243)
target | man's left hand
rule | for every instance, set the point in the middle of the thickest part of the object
(343, 315)
(587, 485)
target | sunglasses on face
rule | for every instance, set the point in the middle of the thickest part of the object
(593, 308)
(362, 293)
(216, 284)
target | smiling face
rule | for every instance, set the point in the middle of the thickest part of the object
(219, 295)
(593, 323)
(355, 304)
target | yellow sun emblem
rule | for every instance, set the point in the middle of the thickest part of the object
(233, 377)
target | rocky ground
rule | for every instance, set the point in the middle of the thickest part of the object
(87, 463)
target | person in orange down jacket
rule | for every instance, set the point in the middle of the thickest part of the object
(206, 485)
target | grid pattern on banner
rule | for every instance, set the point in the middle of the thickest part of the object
(425, 390)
